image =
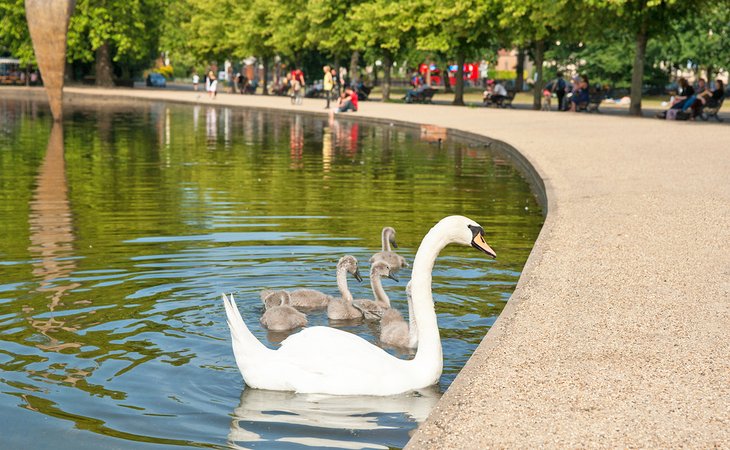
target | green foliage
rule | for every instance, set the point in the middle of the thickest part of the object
(597, 36)
(502, 74)
(14, 34)
(166, 71)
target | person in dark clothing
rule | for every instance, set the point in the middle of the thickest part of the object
(581, 95)
(558, 88)
(684, 94)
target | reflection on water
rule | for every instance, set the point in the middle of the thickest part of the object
(121, 229)
(315, 420)
(51, 239)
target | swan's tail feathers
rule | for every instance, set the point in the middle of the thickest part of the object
(244, 342)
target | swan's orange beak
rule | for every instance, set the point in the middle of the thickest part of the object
(479, 243)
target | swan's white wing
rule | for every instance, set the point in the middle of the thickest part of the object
(334, 361)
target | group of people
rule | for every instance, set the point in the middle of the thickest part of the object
(211, 83)
(239, 82)
(579, 90)
(294, 86)
(495, 93)
(689, 102)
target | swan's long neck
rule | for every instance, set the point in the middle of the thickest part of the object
(385, 238)
(380, 296)
(412, 326)
(342, 285)
(429, 357)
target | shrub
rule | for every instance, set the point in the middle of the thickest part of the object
(166, 71)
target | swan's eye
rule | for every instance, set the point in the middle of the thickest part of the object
(476, 230)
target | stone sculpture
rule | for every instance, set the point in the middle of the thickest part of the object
(48, 25)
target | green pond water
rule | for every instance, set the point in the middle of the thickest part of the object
(121, 228)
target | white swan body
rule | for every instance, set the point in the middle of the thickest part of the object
(279, 316)
(374, 309)
(394, 331)
(331, 361)
(394, 260)
(342, 308)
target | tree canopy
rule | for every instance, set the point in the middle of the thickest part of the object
(619, 42)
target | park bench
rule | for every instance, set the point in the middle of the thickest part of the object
(505, 102)
(594, 102)
(424, 96)
(711, 111)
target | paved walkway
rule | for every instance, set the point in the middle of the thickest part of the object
(617, 334)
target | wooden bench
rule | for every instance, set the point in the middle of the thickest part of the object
(424, 96)
(505, 102)
(711, 111)
(594, 102)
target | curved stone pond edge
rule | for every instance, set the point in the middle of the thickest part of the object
(616, 335)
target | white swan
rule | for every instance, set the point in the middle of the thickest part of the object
(374, 309)
(394, 331)
(342, 308)
(395, 260)
(279, 316)
(331, 361)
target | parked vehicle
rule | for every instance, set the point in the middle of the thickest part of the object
(154, 79)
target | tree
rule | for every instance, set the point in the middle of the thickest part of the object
(643, 19)
(461, 28)
(331, 32)
(536, 24)
(125, 31)
(14, 34)
(385, 27)
(702, 39)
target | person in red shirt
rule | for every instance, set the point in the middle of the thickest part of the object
(348, 101)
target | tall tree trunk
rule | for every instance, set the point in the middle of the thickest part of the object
(104, 74)
(520, 80)
(387, 67)
(126, 73)
(265, 87)
(537, 92)
(637, 75)
(459, 94)
(354, 62)
(445, 79)
(27, 75)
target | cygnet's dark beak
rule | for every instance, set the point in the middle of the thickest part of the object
(393, 277)
(357, 275)
(392, 242)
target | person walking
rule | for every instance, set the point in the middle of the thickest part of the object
(559, 87)
(327, 85)
(196, 81)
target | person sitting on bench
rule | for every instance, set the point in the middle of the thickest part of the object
(581, 96)
(413, 94)
(499, 93)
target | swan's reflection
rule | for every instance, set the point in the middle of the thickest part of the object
(329, 421)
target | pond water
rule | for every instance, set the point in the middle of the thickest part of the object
(121, 228)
